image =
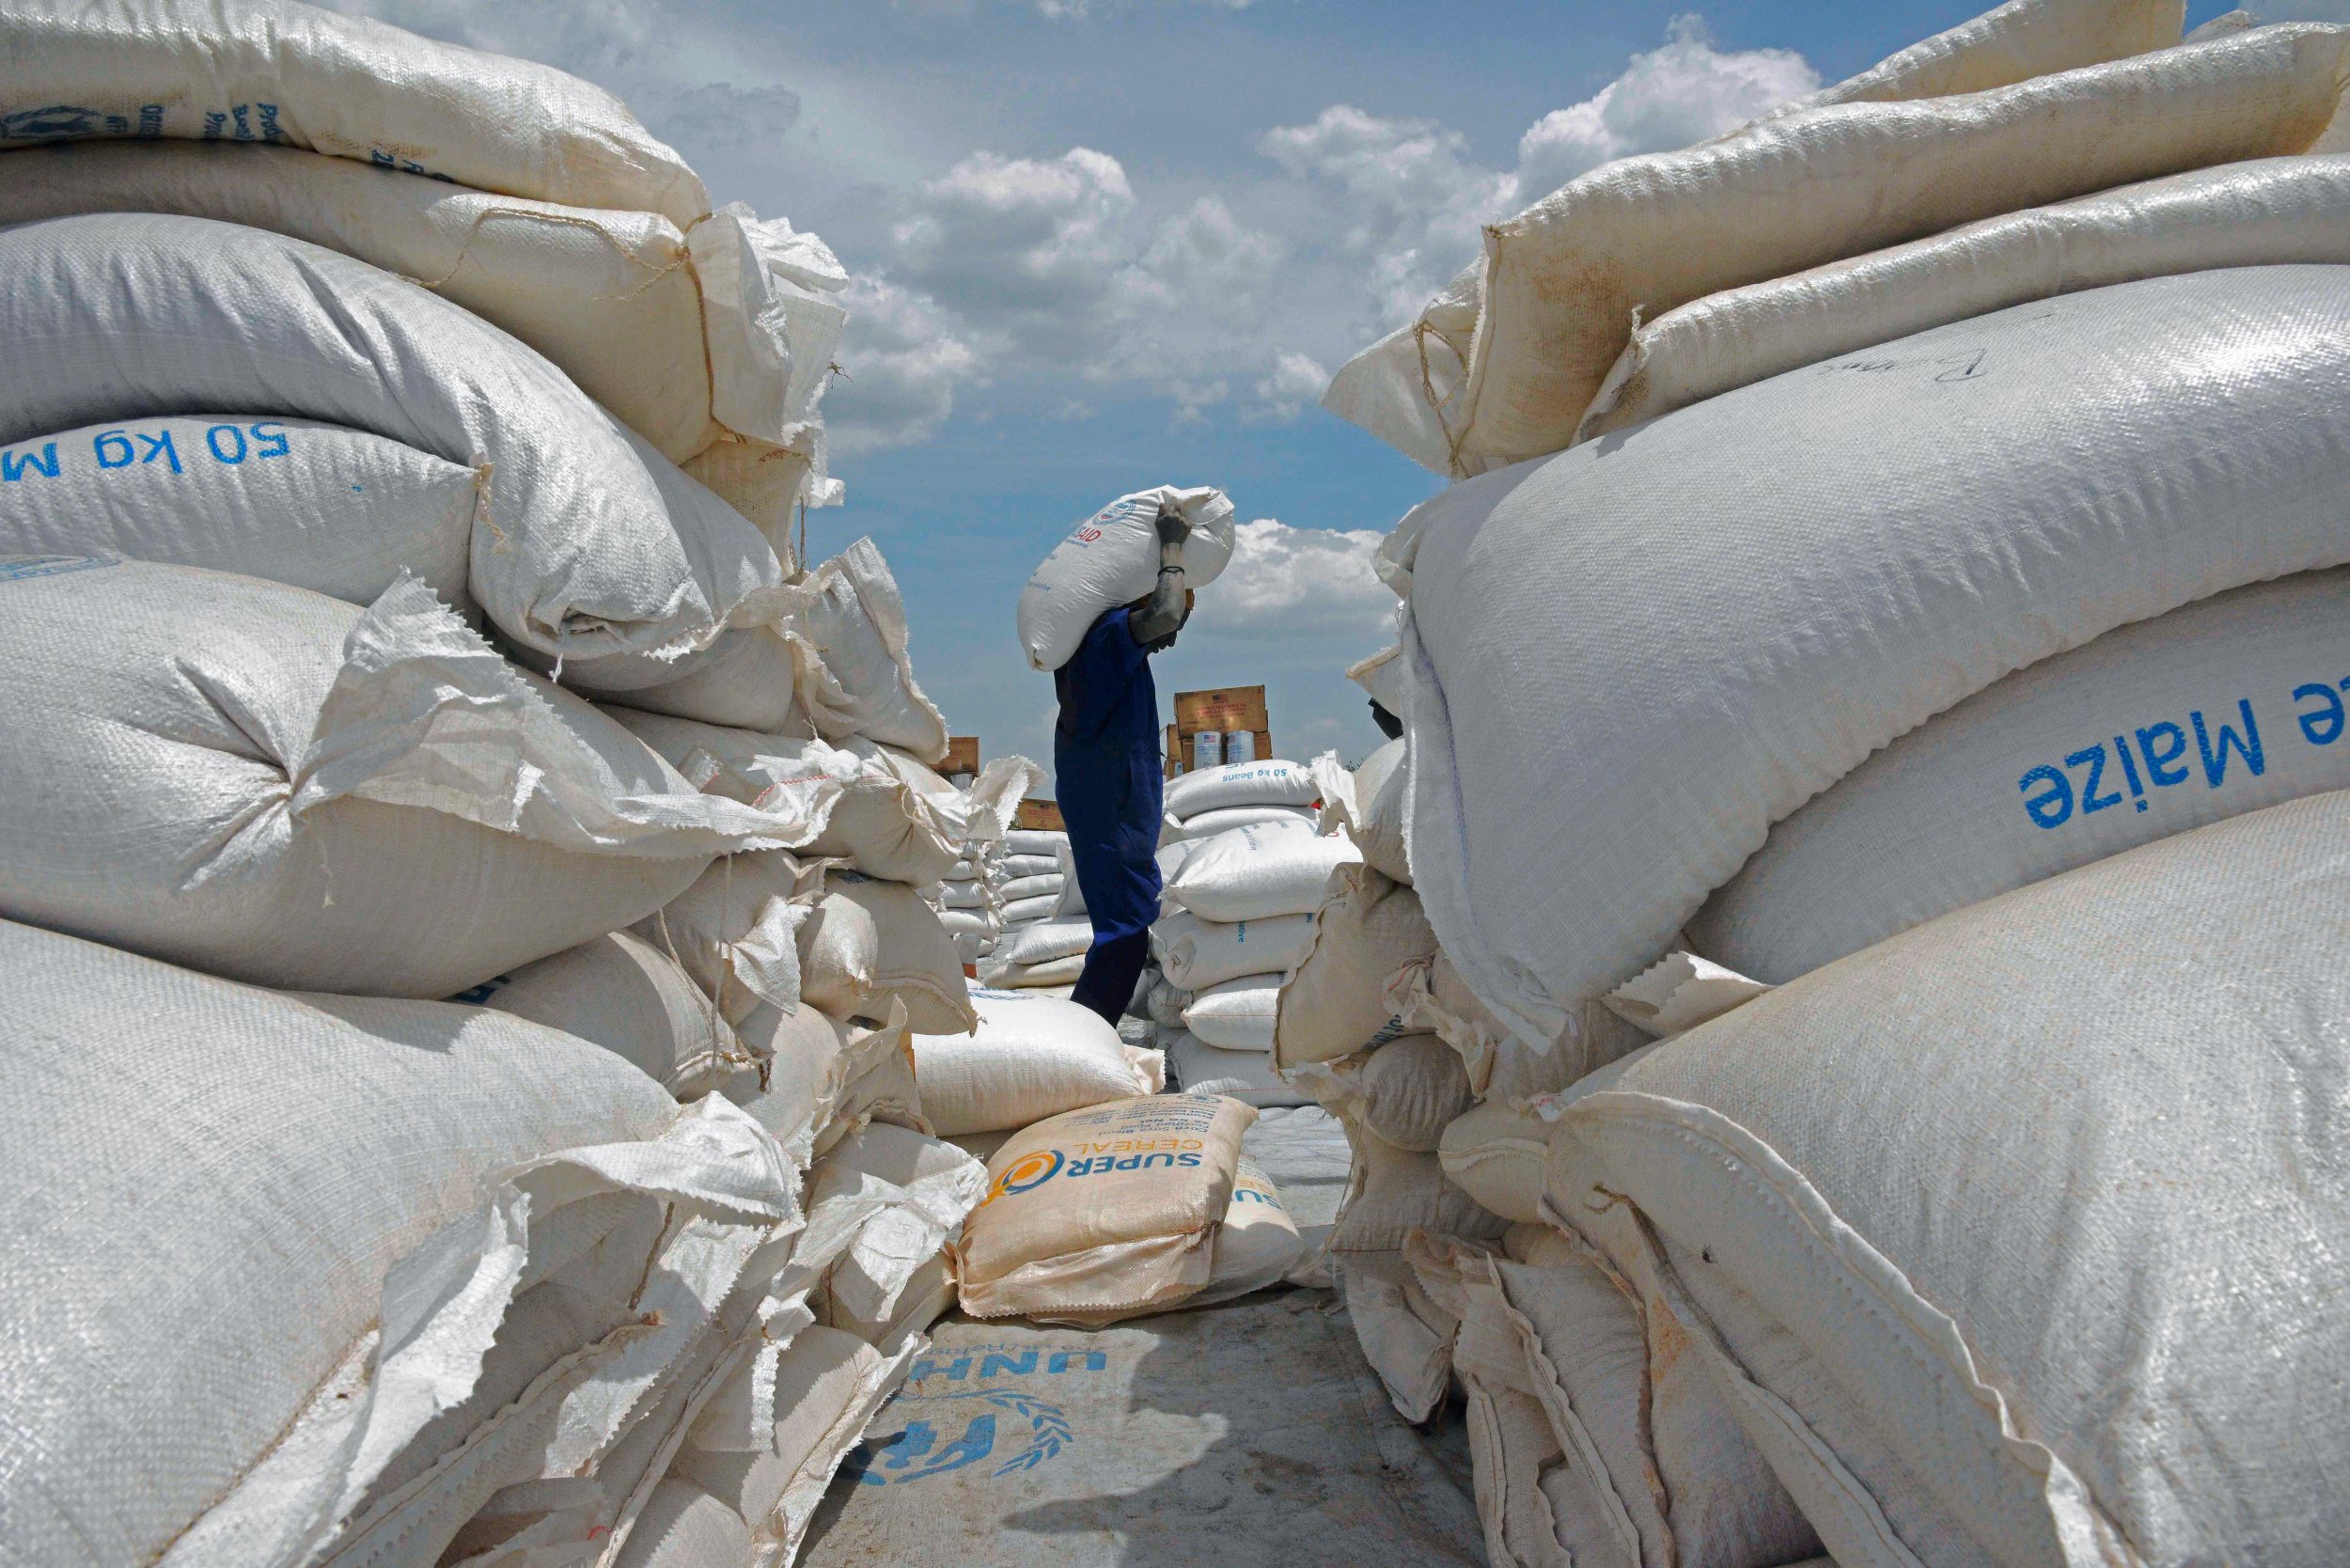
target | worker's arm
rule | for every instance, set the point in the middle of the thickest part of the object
(1154, 625)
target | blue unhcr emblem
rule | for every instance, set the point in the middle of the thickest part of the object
(913, 1454)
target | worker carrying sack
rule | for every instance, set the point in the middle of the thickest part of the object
(271, 785)
(1884, 539)
(2106, 1079)
(1112, 559)
(1103, 1213)
(2209, 711)
(296, 76)
(591, 544)
(337, 510)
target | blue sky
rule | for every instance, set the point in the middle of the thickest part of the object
(1104, 244)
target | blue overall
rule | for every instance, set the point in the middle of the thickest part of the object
(1106, 757)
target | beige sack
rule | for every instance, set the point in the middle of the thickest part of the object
(1106, 1211)
(736, 929)
(1563, 279)
(866, 941)
(1334, 1003)
(1405, 1093)
(624, 994)
(1494, 1151)
(1432, 996)
(1391, 1192)
(1032, 1056)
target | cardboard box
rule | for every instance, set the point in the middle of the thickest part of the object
(1226, 708)
(1042, 816)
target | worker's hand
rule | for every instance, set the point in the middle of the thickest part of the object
(1173, 530)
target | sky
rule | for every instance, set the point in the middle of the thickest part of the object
(1099, 245)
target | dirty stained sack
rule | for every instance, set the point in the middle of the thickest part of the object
(1111, 1209)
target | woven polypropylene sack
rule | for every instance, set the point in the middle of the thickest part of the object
(626, 995)
(1236, 1014)
(1494, 1151)
(296, 1239)
(719, 330)
(1033, 1056)
(1406, 1093)
(340, 511)
(1884, 541)
(269, 784)
(1112, 558)
(593, 544)
(857, 627)
(867, 940)
(1270, 782)
(1259, 874)
(292, 74)
(2214, 709)
(736, 931)
(1562, 280)
(2045, 1368)
(1334, 1003)
(1393, 1192)
(1196, 954)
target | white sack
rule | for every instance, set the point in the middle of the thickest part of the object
(340, 511)
(1051, 974)
(2275, 209)
(925, 1188)
(1494, 1151)
(722, 330)
(1198, 1068)
(2217, 709)
(628, 997)
(1196, 954)
(1562, 280)
(1879, 546)
(1430, 995)
(977, 815)
(681, 1526)
(594, 543)
(863, 680)
(1257, 873)
(1227, 819)
(1042, 944)
(1257, 1245)
(735, 930)
(1269, 782)
(272, 785)
(867, 940)
(1236, 1014)
(1371, 805)
(1033, 1056)
(297, 75)
(1334, 1003)
(809, 1062)
(1112, 558)
(745, 680)
(1038, 908)
(1016, 866)
(1383, 679)
(299, 1231)
(2062, 1366)
(1032, 840)
(1048, 884)
(1679, 992)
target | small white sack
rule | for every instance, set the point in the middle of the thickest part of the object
(1016, 866)
(1237, 1014)
(336, 510)
(1272, 782)
(622, 993)
(1048, 884)
(593, 544)
(1036, 909)
(862, 682)
(1257, 873)
(1033, 1056)
(1196, 954)
(1198, 1068)
(1052, 974)
(1042, 944)
(1227, 818)
(272, 785)
(1112, 558)
(1035, 840)
(266, 71)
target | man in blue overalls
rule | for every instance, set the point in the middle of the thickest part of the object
(1105, 759)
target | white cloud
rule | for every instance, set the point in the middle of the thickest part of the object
(1672, 97)
(1284, 581)
(901, 365)
(1297, 381)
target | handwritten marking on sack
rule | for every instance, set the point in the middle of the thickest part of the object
(23, 567)
(2209, 749)
(228, 446)
(1966, 364)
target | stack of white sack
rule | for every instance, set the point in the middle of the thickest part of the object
(1046, 929)
(1239, 916)
(1845, 780)
(2047, 146)
(272, 744)
(970, 901)
(1239, 794)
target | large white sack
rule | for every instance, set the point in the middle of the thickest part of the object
(633, 1000)
(591, 543)
(1259, 874)
(1404, 387)
(1236, 1014)
(1194, 954)
(1880, 546)
(1112, 558)
(336, 510)
(745, 679)
(2217, 709)
(2029, 1326)
(927, 1187)
(862, 682)
(272, 785)
(862, 809)
(866, 941)
(2273, 210)
(974, 817)
(294, 1238)
(723, 330)
(271, 70)
(1562, 281)
(1371, 805)
(1335, 1002)
(1431, 994)
(1033, 1056)
(1270, 782)
(736, 929)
